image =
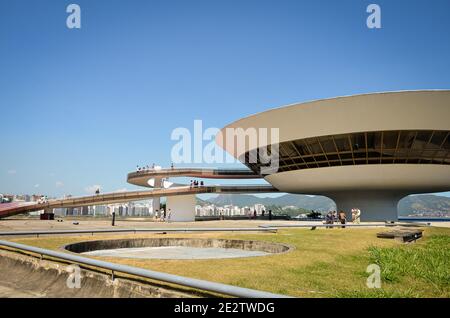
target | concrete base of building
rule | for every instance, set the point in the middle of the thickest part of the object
(374, 205)
(182, 208)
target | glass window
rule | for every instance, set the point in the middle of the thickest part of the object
(446, 145)
(287, 150)
(421, 140)
(342, 143)
(438, 138)
(377, 140)
(301, 147)
(406, 139)
(387, 147)
(327, 144)
(358, 142)
(314, 146)
(390, 139)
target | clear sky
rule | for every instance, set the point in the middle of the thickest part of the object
(82, 107)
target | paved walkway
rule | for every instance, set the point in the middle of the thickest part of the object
(92, 223)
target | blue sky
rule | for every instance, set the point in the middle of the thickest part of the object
(83, 107)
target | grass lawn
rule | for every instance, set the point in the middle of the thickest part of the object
(324, 263)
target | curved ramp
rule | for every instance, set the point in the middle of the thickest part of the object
(141, 178)
(9, 209)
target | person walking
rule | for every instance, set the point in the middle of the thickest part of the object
(169, 215)
(329, 219)
(342, 218)
(270, 215)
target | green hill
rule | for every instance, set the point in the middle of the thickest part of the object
(413, 204)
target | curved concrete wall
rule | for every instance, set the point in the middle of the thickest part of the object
(89, 246)
(27, 276)
(407, 178)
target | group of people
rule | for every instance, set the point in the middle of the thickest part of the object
(162, 216)
(149, 168)
(341, 217)
(254, 214)
(145, 168)
(196, 184)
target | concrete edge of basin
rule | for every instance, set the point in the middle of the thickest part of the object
(272, 248)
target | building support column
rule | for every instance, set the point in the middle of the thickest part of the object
(156, 201)
(375, 206)
(182, 208)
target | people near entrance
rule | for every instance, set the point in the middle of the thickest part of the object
(334, 217)
(163, 215)
(356, 216)
(196, 184)
(329, 219)
(169, 215)
(342, 218)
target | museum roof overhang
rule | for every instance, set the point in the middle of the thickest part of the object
(388, 111)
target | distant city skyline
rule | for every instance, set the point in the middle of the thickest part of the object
(81, 108)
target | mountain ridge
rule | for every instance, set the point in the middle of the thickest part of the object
(414, 204)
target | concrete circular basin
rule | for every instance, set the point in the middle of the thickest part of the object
(177, 248)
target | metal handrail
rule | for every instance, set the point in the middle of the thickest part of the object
(199, 172)
(169, 278)
(243, 229)
(312, 225)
